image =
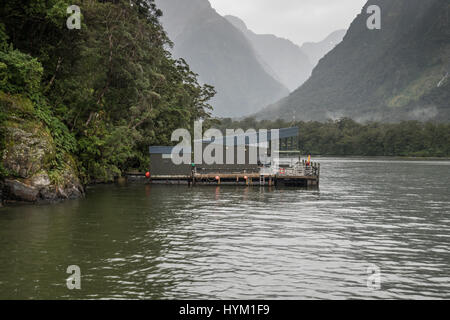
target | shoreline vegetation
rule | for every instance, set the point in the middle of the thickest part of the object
(82, 106)
(346, 137)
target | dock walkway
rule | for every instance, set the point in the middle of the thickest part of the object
(301, 175)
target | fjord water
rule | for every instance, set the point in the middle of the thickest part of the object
(160, 242)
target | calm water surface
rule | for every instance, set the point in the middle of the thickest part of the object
(163, 242)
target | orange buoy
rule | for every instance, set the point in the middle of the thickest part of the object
(147, 174)
(217, 178)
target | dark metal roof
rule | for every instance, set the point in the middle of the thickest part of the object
(161, 150)
(283, 134)
(289, 132)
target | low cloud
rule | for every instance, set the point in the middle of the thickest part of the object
(298, 20)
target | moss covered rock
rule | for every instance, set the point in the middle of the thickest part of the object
(29, 149)
(29, 159)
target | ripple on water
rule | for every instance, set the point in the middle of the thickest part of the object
(138, 242)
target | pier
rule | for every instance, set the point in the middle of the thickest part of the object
(302, 175)
(259, 165)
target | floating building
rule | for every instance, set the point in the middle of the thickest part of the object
(252, 158)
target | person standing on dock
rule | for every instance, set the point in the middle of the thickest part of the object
(308, 162)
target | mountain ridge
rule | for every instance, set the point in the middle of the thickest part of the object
(317, 50)
(285, 60)
(221, 55)
(380, 75)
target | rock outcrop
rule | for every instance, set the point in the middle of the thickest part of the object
(29, 158)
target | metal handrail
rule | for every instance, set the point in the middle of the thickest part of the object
(297, 170)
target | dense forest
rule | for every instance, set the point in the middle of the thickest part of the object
(346, 137)
(99, 95)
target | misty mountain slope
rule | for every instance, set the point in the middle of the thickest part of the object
(389, 74)
(317, 50)
(284, 59)
(221, 55)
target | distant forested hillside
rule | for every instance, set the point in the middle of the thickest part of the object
(400, 72)
(346, 137)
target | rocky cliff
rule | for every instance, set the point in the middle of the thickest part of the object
(28, 158)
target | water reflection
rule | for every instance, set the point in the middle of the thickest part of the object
(157, 242)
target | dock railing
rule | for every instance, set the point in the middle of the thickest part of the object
(299, 169)
(280, 166)
(225, 170)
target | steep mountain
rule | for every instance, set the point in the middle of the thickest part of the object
(221, 55)
(395, 73)
(317, 50)
(281, 57)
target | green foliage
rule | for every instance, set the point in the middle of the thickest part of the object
(56, 177)
(3, 38)
(20, 75)
(346, 137)
(104, 151)
(2, 141)
(65, 142)
(19, 72)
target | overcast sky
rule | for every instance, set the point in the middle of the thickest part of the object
(297, 20)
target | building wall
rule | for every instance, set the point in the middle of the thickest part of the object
(160, 166)
(165, 167)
